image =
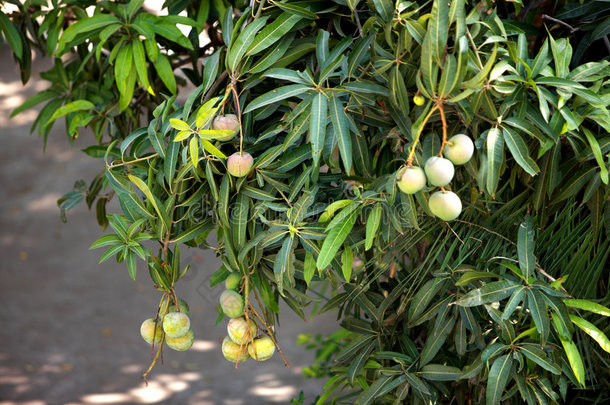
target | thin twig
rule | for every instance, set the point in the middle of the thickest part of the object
(214, 87)
(444, 125)
(112, 166)
(565, 24)
(154, 360)
(270, 335)
(419, 132)
(358, 23)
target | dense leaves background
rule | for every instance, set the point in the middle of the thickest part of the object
(485, 309)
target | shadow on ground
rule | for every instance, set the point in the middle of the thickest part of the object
(70, 327)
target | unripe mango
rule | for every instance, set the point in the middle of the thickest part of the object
(182, 343)
(176, 324)
(231, 351)
(459, 149)
(182, 305)
(418, 100)
(411, 179)
(227, 122)
(232, 282)
(446, 205)
(148, 330)
(232, 303)
(240, 331)
(239, 165)
(439, 171)
(261, 349)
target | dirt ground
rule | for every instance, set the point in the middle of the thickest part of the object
(70, 326)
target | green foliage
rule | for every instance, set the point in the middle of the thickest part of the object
(479, 310)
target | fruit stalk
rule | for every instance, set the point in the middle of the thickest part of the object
(154, 361)
(270, 335)
(417, 136)
(444, 125)
(238, 108)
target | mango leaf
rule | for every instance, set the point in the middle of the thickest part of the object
(495, 156)
(105, 241)
(152, 199)
(518, 148)
(211, 149)
(194, 151)
(12, 35)
(347, 259)
(417, 384)
(165, 72)
(423, 297)
(372, 225)
(385, 8)
(358, 54)
(494, 291)
(355, 347)
(34, 100)
(139, 61)
(538, 310)
(239, 220)
(477, 81)
(276, 95)
(449, 78)
(592, 331)
(597, 152)
(398, 91)
(470, 276)
(243, 41)
(84, 25)
(499, 375)
(435, 341)
(179, 124)
(376, 389)
(227, 26)
(439, 372)
(561, 313)
(341, 128)
(533, 352)
(428, 67)
(296, 10)
(438, 29)
(367, 87)
(77, 105)
(283, 261)
(317, 125)
(358, 363)
(309, 267)
(333, 207)
(492, 351)
(272, 55)
(156, 139)
(272, 32)
(573, 355)
(514, 301)
(525, 248)
(335, 239)
(587, 306)
(210, 70)
(286, 74)
(194, 232)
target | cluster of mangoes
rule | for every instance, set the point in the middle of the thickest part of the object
(241, 342)
(173, 322)
(439, 171)
(239, 163)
